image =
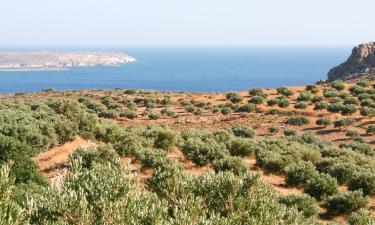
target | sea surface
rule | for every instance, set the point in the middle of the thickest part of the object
(201, 69)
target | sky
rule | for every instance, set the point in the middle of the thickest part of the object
(186, 23)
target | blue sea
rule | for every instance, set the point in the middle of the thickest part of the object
(200, 69)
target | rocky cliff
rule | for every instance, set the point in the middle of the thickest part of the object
(360, 65)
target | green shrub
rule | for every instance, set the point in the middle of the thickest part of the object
(359, 147)
(321, 105)
(256, 100)
(109, 114)
(300, 105)
(366, 111)
(304, 96)
(298, 174)
(297, 121)
(203, 152)
(345, 122)
(102, 154)
(363, 83)
(229, 163)
(303, 203)
(323, 121)
(23, 168)
(357, 90)
(243, 131)
(367, 102)
(130, 114)
(335, 107)
(249, 107)
(361, 217)
(290, 132)
(348, 109)
(284, 91)
(272, 102)
(273, 129)
(167, 112)
(338, 85)
(283, 103)
(131, 91)
(241, 147)
(364, 180)
(329, 93)
(346, 202)
(166, 101)
(163, 138)
(351, 101)
(370, 129)
(316, 99)
(310, 87)
(320, 186)
(226, 111)
(234, 97)
(154, 115)
(352, 133)
(257, 92)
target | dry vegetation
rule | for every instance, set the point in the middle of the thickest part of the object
(307, 143)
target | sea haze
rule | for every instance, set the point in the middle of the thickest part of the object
(190, 69)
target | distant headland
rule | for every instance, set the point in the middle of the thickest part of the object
(46, 60)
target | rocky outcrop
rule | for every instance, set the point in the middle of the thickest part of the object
(360, 65)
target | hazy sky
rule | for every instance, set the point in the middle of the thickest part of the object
(188, 22)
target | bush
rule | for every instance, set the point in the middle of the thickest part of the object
(242, 131)
(316, 99)
(272, 102)
(346, 202)
(168, 112)
(370, 129)
(273, 129)
(364, 180)
(363, 83)
(361, 217)
(335, 107)
(297, 121)
(300, 105)
(235, 165)
(338, 85)
(203, 152)
(298, 174)
(290, 132)
(351, 101)
(166, 101)
(234, 97)
(321, 105)
(163, 138)
(366, 111)
(348, 109)
(241, 147)
(357, 90)
(226, 111)
(304, 96)
(256, 100)
(352, 134)
(329, 93)
(154, 115)
(131, 91)
(344, 122)
(109, 114)
(249, 107)
(323, 121)
(310, 87)
(284, 91)
(130, 114)
(303, 203)
(322, 185)
(283, 103)
(257, 92)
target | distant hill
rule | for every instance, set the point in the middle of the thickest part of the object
(44, 60)
(360, 65)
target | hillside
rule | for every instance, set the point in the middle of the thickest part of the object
(291, 155)
(360, 64)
